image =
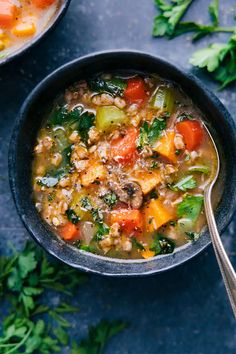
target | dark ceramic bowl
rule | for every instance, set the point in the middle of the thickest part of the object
(51, 25)
(29, 121)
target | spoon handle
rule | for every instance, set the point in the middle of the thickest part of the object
(226, 268)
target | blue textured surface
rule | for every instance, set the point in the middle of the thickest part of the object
(184, 311)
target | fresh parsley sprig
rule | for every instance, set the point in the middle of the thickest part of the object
(170, 15)
(219, 59)
(169, 24)
(32, 327)
(98, 336)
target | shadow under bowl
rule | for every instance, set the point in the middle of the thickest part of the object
(29, 122)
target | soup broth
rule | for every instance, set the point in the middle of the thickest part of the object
(21, 20)
(120, 166)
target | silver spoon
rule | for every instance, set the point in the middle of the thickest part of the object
(226, 268)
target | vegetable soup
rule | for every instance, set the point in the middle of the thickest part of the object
(21, 20)
(120, 166)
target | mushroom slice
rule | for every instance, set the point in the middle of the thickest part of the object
(128, 192)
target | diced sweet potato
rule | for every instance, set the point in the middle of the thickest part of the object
(147, 180)
(166, 147)
(147, 254)
(24, 29)
(156, 215)
(95, 172)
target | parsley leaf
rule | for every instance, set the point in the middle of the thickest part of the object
(209, 57)
(184, 184)
(62, 116)
(75, 119)
(85, 203)
(168, 22)
(150, 133)
(162, 245)
(98, 337)
(155, 130)
(193, 236)
(72, 216)
(115, 86)
(143, 136)
(85, 122)
(190, 207)
(110, 199)
(171, 14)
(23, 278)
(95, 212)
(137, 244)
(103, 229)
(214, 12)
(219, 59)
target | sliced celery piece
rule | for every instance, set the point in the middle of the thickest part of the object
(199, 168)
(163, 99)
(109, 116)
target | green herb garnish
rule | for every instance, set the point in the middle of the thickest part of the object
(184, 184)
(72, 216)
(169, 24)
(85, 203)
(219, 59)
(162, 245)
(193, 236)
(85, 122)
(199, 168)
(115, 86)
(75, 119)
(190, 207)
(153, 194)
(150, 133)
(184, 116)
(102, 230)
(98, 337)
(154, 164)
(95, 212)
(137, 244)
(110, 199)
(28, 327)
(60, 115)
(170, 15)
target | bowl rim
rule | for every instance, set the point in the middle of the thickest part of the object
(81, 264)
(31, 43)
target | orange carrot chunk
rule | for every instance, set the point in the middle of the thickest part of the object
(135, 90)
(124, 149)
(42, 3)
(192, 132)
(69, 231)
(7, 13)
(131, 221)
